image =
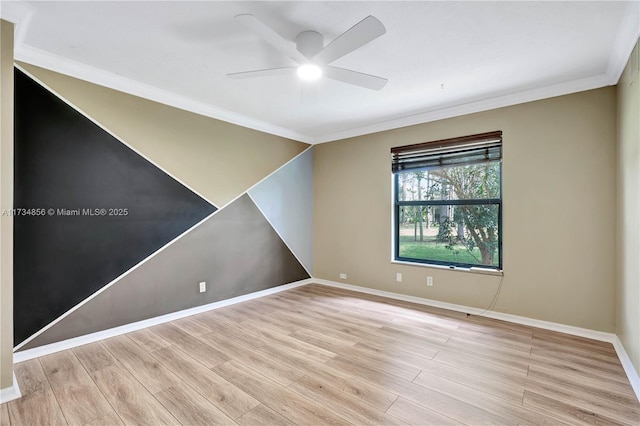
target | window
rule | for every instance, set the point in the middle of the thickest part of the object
(448, 201)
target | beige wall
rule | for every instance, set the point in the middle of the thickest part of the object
(628, 280)
(6, 202)
(559, 211)
(216, 159)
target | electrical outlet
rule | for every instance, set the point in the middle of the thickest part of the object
(203, 287)
(399, 277)
(343, 276)
(430, 281)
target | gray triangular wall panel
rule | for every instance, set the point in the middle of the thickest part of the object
(236, 252)
(286, 199)
(65, 163)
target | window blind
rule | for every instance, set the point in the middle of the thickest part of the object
(464, 150)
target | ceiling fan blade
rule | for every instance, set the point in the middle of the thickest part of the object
(354, 77)
(360, 34)
(262, 73)
(270, 36)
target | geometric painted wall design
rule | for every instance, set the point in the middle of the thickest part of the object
(65, 161)
(236, 251)
(286, 200)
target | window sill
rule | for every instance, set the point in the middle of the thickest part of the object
(474, 270)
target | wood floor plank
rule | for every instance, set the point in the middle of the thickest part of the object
(566, 412)
(580, 374)
(618, 394)
(584, 370)
(31, 377)
(169, 332)
(418, 415)
(498, 327)
(130, 399)
(417, 344)
(494, 339)
(239, 312)
(4, 415)
(381, 361)
(94, 357)
(568, 349)
(392, 315)
(280, 399)
(327, 313)
(587, 402)
(153, 375)
(224, 327)
(79, 398)
(322, 324)
(207, 354)
(434, 400)
(191, 408)
(479, 362)
(227, 397)
(271, 337)
(404, 316)
(511, 411)
(284, 327)
(397, 335)
(412, 346)
(308, 325)
(497, 358)
(397, 352)
(38, 404)
(321, 340)
(111, 419)
(347, 383)
(480, 346)
(263, 415)
(276, 371)
(379, 303)
(507, 390)
(605, 363)
(36, 408)
(148, 340)
(343, 404)
(192, 326)
(556, 336)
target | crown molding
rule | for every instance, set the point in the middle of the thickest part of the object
(43, 59)
(20, 14)
(626, 39)
(545, 92)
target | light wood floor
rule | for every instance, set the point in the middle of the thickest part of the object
(316, 355)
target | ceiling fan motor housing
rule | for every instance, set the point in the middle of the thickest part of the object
(309, 43)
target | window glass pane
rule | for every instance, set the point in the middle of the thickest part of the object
(458, 234)
(474, 181)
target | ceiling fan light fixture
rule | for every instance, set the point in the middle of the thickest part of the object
(309, 72)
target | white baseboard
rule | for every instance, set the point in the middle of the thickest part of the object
(632, 374)
(10, 393)
(629, 369)
(128, 328)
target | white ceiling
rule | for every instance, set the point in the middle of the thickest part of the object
(441, 58)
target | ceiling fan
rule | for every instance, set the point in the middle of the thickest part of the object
(313, 57)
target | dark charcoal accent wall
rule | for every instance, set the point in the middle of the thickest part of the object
(236, 252)
(65, 161)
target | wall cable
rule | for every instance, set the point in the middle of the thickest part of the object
(494, 300)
